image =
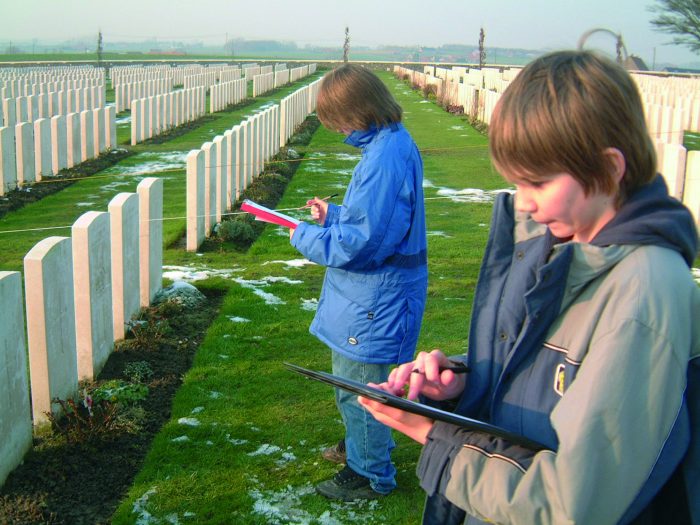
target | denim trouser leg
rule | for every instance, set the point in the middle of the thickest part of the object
(368, 442)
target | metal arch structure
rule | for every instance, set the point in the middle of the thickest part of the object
(620, 48)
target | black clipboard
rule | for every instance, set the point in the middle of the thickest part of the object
(415, 408)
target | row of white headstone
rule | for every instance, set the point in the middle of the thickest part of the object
(125, 92)
(126, 74)
(206, 78)
(221, 170)
(294, 109)
(296, 73)
(28, 89)
(268, 79)
(46, 105)
(151, 116)
(109, 267)
(281, 77)
(263, 83)
(226, 93)
(671, 103)
(26, 85)
(31, 151)
(680, 168)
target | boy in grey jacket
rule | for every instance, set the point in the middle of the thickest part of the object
(584, 332)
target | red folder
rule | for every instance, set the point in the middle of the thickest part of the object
(267, 215)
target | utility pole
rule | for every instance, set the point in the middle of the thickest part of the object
(482, 49)
(99, 48)
(346, 44)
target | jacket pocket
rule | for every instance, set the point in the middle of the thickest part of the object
(346, 313)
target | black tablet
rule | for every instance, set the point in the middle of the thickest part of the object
(415, 408)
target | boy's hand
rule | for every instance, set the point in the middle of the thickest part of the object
(423, 376)
(414, 426)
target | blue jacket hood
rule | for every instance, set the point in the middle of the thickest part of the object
(360, 138)
(652, 216)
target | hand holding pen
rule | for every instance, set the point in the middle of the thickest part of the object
(319, 208)
(431, 374)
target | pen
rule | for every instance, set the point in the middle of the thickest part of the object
(457, 368)
(323, 199)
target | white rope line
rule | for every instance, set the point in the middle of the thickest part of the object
(185, 217)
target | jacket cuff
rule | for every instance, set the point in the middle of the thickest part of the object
(298, 234)
(332, 214)
(433, 469)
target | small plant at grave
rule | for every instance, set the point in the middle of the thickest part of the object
(430, 91)
(149, 330)
(120, 392)
(237, 231)
(138, 371)
(84, 420)
(303, 137)
(455, 109)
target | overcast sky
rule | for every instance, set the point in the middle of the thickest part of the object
(528, 24)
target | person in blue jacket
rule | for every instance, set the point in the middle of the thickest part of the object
(374, 247)
(584, 332)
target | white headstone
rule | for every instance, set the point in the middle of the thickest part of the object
(98, 124)
(221, 189)
(672, 164)
(74, 139)
(87, 135)
(53, 364)
(24, 150)
(42, 148)
(111, 127)
(210, 203)
(59, 143)
(15, 410)
(9, 111)
(124, 228)
(8, 162)
(691, 189)
(150, 191)
(195, 199)
(92, 278)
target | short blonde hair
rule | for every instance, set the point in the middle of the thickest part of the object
(561, 113)
(351, 97)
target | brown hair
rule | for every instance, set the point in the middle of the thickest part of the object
(351, 97)
(561, 113)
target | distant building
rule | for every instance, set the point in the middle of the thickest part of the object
(634, 63)
(682, 70)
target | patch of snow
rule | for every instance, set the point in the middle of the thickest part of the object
(310, 305)
(265, 450)
(144, 517)
(294, 263)
(470, 194)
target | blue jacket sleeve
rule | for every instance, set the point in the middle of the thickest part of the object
(332, 214)
(371, 223)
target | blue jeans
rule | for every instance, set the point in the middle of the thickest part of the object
(368, 442)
